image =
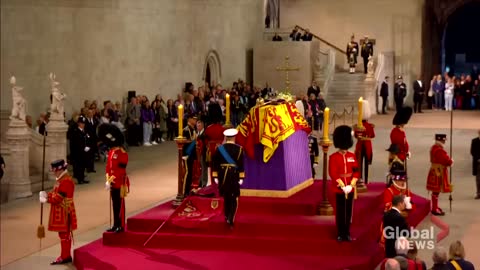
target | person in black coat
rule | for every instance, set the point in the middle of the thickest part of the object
(228, 172)
(394, 225)
(418, 93)
(384, 94)
(79, 150)
(399, 92)
(91, 124)
(475, 152)
(367, 51)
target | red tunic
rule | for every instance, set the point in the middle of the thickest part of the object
(393, 191)
(62, 208)
(213, 138)
(398, 137)
(344, 167)
(364, 140)
(437, 180)
(116, 166)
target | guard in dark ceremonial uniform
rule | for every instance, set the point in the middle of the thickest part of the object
(189, 153)
(117, 180)
(228, 172)
(394, 162)
(314, 152)
(79, 150)
(397, 135)
(63, 218)
(367, 52)
(438, 180)
(364, 136)
(399, 93)
(344, 172)
(352, 54)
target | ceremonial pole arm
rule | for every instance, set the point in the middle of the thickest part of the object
(450, 198)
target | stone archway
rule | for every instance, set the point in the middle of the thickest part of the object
(212, 69)
(436, 14)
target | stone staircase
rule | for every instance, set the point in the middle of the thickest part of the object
(346, 89)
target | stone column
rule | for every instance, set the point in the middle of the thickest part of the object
(56, 140)
(18, 138)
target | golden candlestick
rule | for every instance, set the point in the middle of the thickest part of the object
(228, 123)
(326, 120)
(360, 112)
(325, 208)
(180, 121)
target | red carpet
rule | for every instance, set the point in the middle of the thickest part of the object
(269, 233)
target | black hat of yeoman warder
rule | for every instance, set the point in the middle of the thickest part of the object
(58, 165)
(111, 135)
(342, 137)
(440, 137)
(402, 116)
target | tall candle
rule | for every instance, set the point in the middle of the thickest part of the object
(326, 117)
(180, 120)
(227, 109)
(360, 112)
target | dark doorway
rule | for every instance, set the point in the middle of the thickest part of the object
(462, 38)
(208, 76)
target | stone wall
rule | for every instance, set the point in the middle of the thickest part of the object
(103, 48)
(268, 55)
(396, 26)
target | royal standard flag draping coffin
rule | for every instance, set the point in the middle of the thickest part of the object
(269, 125)
(196, 211)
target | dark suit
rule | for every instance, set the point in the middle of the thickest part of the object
(384, 95)
(367, 51)
(312, 90)
(418, 93)
(475, 152)
(393, 222)
(399, 93)
(78, 156)
(229, 176)
(91, 129)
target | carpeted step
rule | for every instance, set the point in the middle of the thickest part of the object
(233, 242)
(97, 256)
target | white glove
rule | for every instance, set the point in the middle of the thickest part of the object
(185, 157)
(409, 155)
(240, 182)
(452, 163)
(108, 185)
(42, 200)
(42, 194)
(348, 189)
(408, 204)
(216, 180)
(86, 149)
(315, 165)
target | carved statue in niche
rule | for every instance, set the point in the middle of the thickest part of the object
(19, 105)
(57, 97)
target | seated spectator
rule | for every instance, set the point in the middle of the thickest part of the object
(403, 262)
(457, 257)
(392, 264)
(412, 256)
(293, 34)
(439, 258)
(276, 37)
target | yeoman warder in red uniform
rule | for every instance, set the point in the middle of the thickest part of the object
(437, 180)
(62, 209)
